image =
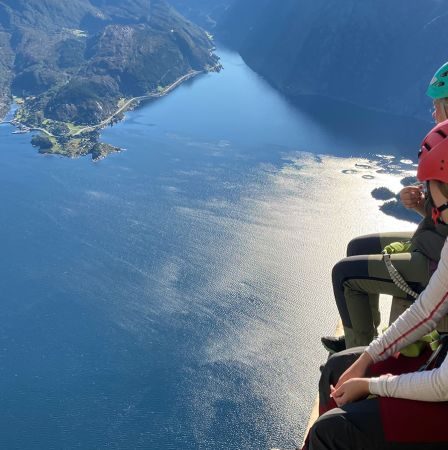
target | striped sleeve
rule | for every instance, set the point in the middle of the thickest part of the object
(419, 319)
(427, 386)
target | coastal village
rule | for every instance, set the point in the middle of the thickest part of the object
(73, 140)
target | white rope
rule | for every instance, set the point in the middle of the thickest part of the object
(396, 277)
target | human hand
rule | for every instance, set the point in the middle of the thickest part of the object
(412, 197)
(357, 370)
(350, 391)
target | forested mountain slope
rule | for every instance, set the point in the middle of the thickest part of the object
(376, 53)
(79, 57)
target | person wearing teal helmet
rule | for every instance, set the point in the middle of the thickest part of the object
(438, 91)
(412, 197)
(438, 87)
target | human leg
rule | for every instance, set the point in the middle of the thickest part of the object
(357, 277)
(335, 366)
(370, 244)
(382, 424)
(355, 427)
(373, 244)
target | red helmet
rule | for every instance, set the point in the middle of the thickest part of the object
(433, 155)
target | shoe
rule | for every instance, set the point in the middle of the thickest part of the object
(334, 344)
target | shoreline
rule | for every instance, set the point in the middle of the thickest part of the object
(4, 110)
(84, 141)
(127, 106)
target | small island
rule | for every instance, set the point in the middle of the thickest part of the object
(96, 63)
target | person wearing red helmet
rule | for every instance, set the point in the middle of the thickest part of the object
(359, 278)
(410, 403)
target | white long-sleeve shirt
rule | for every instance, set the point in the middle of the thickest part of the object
(421, 318)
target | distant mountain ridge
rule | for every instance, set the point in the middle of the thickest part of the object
(79, 57)
(375, 53)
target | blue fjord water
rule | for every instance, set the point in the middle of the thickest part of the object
(172, 295)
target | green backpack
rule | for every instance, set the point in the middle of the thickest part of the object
(416, 349)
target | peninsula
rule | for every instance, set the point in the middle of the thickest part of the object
(74, 69)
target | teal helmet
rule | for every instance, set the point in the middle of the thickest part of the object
(438, 87)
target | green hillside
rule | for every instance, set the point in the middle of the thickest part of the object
(73, 62)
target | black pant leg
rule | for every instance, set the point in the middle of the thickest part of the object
(336, 365)
(354, 427)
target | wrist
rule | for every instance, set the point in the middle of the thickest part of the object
(365, 383)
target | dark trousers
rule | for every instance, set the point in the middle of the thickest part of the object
(362, 276)
(379, 423)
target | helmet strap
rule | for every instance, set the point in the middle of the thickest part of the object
(437, 213)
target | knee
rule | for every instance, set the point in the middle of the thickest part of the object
(364, 245)
(338, 363)
(349, 268)
(325, 429)
(355, 246)
(331, 369)
(340, 272)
